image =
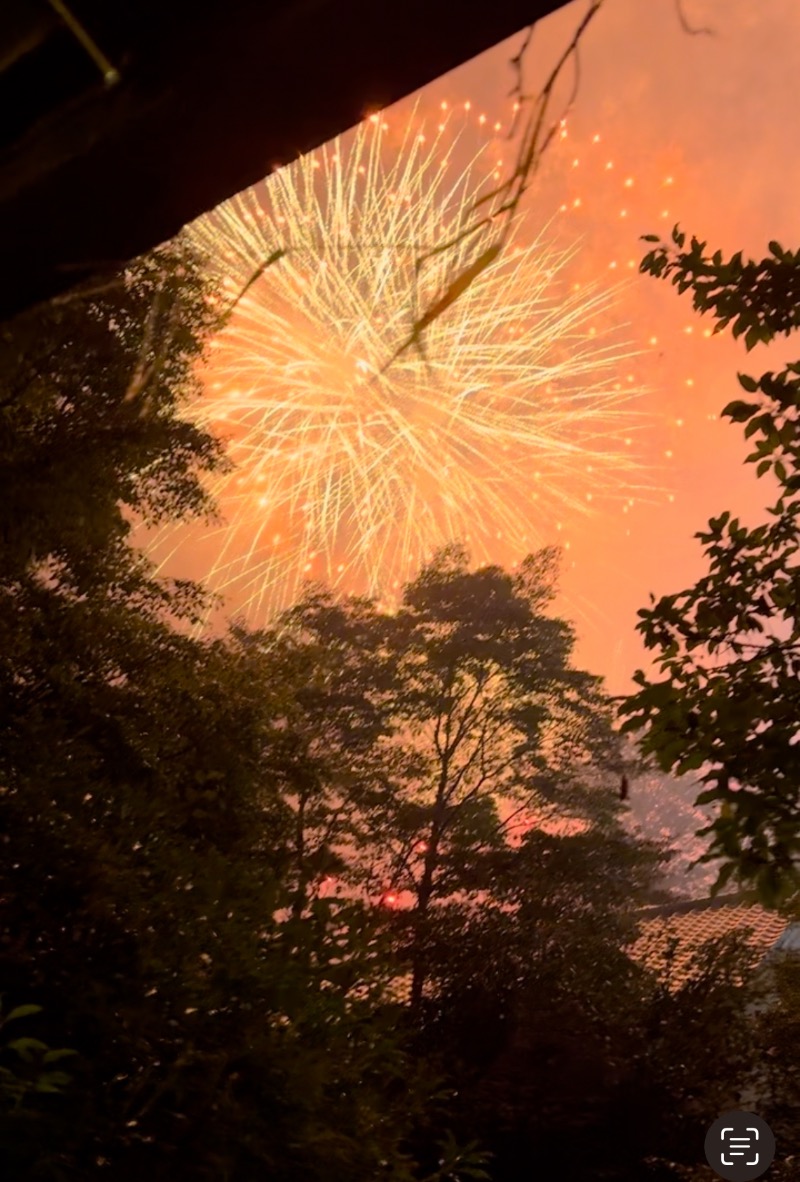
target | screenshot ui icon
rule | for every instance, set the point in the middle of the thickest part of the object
(740, 1146)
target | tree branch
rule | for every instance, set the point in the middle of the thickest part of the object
(701, 31)
(533, 143)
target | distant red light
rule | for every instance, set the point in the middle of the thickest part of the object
(389, 899)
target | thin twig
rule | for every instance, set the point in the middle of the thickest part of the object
(533, 143)
(702, 31)
(110, 72)
(517, 92)
(259, 271)
(142, 371)
(88, 293)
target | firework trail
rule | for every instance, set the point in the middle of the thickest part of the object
(510, 414)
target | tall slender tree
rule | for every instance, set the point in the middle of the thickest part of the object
(469, 715)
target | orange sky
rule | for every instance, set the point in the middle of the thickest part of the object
(666, 128)
(720, 116)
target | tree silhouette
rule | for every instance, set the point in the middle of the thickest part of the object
(728, 702)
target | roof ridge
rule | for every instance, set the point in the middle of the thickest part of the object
(684, 906)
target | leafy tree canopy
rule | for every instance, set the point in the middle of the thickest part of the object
(470, 714)
(728, 649)
(147, 921)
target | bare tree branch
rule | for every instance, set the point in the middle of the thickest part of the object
(89, 292)
(701, 31)
(534, 141)
(517, 91)
(259, 271)
(143, 367)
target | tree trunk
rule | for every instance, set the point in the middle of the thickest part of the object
(424, 894)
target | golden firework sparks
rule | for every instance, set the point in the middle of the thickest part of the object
(510, 413)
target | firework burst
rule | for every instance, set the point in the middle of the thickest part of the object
(351, 473)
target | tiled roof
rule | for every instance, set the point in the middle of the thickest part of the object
(690, 924)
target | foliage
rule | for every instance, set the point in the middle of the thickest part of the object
(661, 809)
(147, 908)
(728, 648)
(169, 807)
(32, 1063)
(465, 704)
(88, 422)
(778, 1034)
(327, 743)
(31, 1075)
(569, 1054)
